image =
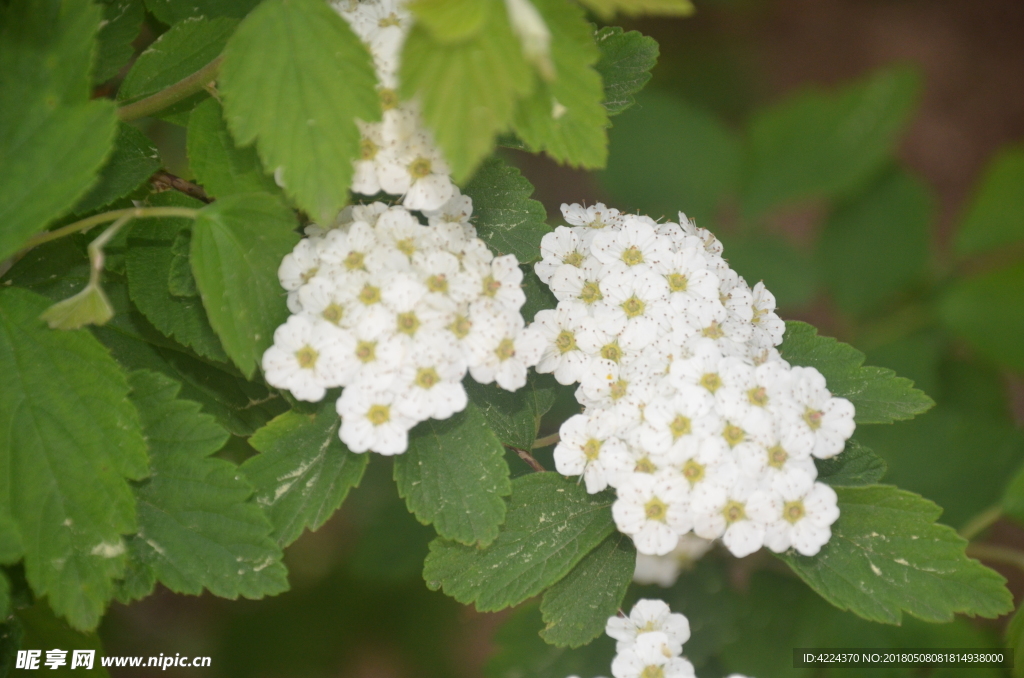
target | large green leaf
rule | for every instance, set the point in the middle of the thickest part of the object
(876, 244)
(576, 609)
(122, 20)
(552, 523)
(303, 472)
(53, 139)
(819, 144)
(454, 476)
(294, 79)
(606, 9)
(857, 465)
(506, 218)
(220, 166)
(198, 527)
(71, 440)
(879, 396)
(175, 11)
(887, 556)
(511, 415)
(468, 88)
(996, 215)
(988, 311)
(237, 246)
(625, 65)
(133, 160)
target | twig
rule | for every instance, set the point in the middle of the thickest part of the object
(97, 219)
(546, 441)
(165, 181)
(528, 458)
(997, 554)
(169, 96)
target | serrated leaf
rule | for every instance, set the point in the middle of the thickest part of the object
(180, 281)
(503, 213)
(996, 215)
(576, 609)
(42, 630)
(304, 471)
(294, 79)
(133, 160)
(452, 20)
(184, 49)
(468, 88)
(987, 310)
(198, 527)
(565, 117)
(220, 166)
(238, 243)
(825, 144)
(877, 244)
(122, 21)
(552, 523)
(148, 263)
(625, 65)
(454, 475)
(72, 440)
(88, 307)
(879, 396)
(888, 556)
(856, 465)
(175, 11)
(511, 415)
(606, 9)
(52, 138)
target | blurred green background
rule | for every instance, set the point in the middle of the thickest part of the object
(865, 158)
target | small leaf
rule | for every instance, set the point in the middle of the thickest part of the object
(294, 79)
(122, 20)
(180, 281)
(552, 523)
(625, 65)
(987, 310)
(996, 215)
(887, 556)
(505, 216)
(454, 475)
(452, 20)
(857, 465)
(879, 396)
(238, 243)
(606, 9)
(133, 160)
(304, 471)
(198, 527)
(181, 11)
(511, 415)
(220, 166)
(88, 307)
(576, 609)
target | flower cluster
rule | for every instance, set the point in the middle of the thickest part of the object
(397, 155)
(397, 312)
(690, 412)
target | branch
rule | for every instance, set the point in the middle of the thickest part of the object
(165, 181)
(171, 95)
(546, 441)
(97, 219)
(528, 458)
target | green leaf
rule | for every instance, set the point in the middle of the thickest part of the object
(237, 246)
(996, 215)
(52, 138)
(294, 79)
(10, 642)
(175, 11)
(877, 244)
(452, 20)
(122, 21)
(1012, 502)
(651, 167)
(304, 472)
(42, 630)
(468, 88)
(72, 439)
(505, 216)
(1015, 639)
(856, 465)
(786, 270)
(625, 65)
(148, 264)
(180, 281)
(819, 144)
(88, 307)
(133, 160)
(887, 556)
(576, 609)
(198, 527)
(538, 295)
(512, 415)
(565, 117)
(987, 310)
(220, 166)
(606, 9)
(879, 396)
(552, 523)
(177, 54)
(454, 476)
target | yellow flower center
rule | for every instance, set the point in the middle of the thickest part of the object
(491, 286)
(573, 259)
(333, 313)
(590, 293)
(793, 511)
(592, 449)
(506, 349)
(420, 168)
(733, 434)
(379, 414)
(652, 671)
(460, 327)
(713, 331)
(693, 471)
(408, 323)
(307, 356)
(308, 274)
(633, 307)
(388, 99)
(777, 456)
(632, 256)
(645, 465)
(711, 381)
(611, 352)
(680, 426)
(734, 512)
(758, 397)
(813, 418)
(677, 282)
(366, 351)
(618, 389)
(406, 247)
(437, 283)
(565, 341)
(368, 149)
(427, 377)
(369, 295)
(656, 509)
(354, 261)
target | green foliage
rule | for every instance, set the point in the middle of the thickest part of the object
(221, 167)
(303, 472)
(182, 11)
(576, 609)
(787, 271)
(454, 476)
(879, 396)
(856, 465)
(42, 630)
(237, 245)
(133, 160)
(513, 416)
(887, 556)
(996, 215)
(298, 101)
(88, 307)
(54, 138)
(987, 310)
(198, 527)
(505, 216)
(606, 9)
(625, 65)
(1015, 639)
(452, 20)
(552, 523)
(122, 21)
(826, 145)
(73, 440)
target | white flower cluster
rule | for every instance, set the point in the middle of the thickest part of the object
(397, 312)
(397, 155)
(691, 413)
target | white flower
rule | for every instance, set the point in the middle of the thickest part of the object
(587, 446)
(828, 419)
(768, 327)
(376, 354)
(635, 306)
(504, 282)
(808, 510)
(370, 421)
(567, 332)
(591, 220)
(299, 266)
(649, 616)
(307, 357)
(664, 570)
(332, 297)
(689, 281)
(636, 243)
(416, 170)
(457, 210)
(652, 509)
(429, 383)
(561, 246)
(739, 515)
(516, 349)
(443, 275)
(365, 180)
(650, 656)
(785, 449)
(673, 425)
(578, 283)
(700, 369)
(402, 231)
